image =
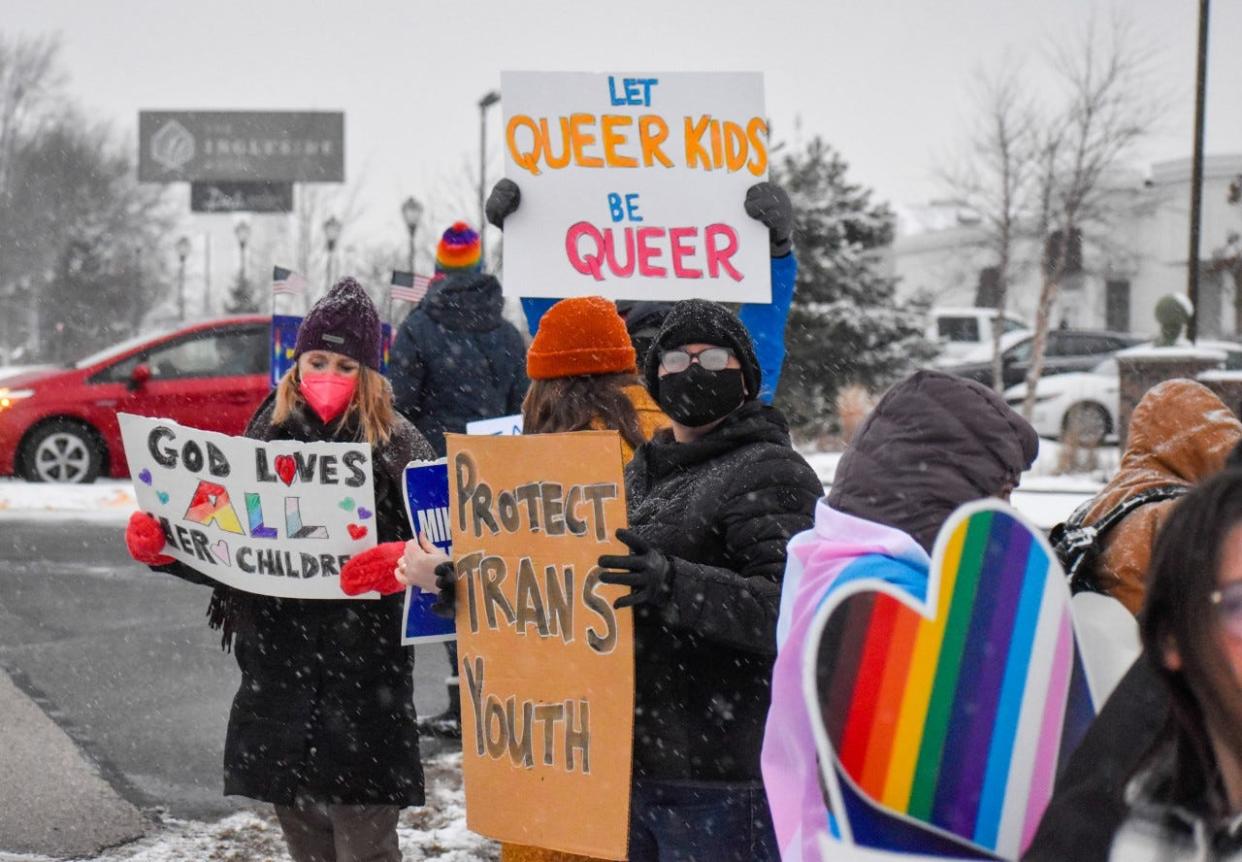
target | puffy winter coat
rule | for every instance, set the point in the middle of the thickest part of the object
(456, 359)
(326, 702)
(722, 508)
(1180, 434)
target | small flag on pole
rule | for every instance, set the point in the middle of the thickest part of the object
(287, 281)
(408, 287)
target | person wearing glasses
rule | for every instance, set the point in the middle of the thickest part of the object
(712, 503)
(1185, 802)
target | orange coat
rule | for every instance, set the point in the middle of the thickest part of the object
(1180, 434)
(650, 420)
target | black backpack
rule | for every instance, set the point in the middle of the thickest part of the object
(1078, 546)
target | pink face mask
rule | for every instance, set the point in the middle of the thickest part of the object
(328, 394)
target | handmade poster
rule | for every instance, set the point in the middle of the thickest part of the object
(426, 505)
(633, 185)
(546, 664)
(500, 426)
(941, 721)
(278, 518)
(285, 338)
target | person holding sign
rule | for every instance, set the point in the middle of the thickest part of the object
(712, 503)
(765, 202)
(323, 723)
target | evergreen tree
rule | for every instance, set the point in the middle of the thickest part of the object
(241, 299)
(845, 326)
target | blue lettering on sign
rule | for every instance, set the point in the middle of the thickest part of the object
(623, 208)
(634, 91)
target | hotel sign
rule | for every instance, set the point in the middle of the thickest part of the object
(254, 146)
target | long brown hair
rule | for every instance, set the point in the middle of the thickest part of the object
(577, 403)
(371, 404)
(1179, 614)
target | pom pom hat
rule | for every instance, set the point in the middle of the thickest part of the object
(344, 321)
(459, 250)
(580, 336)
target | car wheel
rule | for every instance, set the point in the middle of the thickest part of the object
(1086, 424)
(62, 452)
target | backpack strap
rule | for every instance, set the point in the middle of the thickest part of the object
(1077, 545)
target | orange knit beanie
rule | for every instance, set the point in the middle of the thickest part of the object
(579, 336)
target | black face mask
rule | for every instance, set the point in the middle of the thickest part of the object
(698, 397)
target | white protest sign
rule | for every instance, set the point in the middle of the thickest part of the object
(501, 426)
(278, 518)
(633, 185)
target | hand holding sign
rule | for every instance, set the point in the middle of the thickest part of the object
(418, 563)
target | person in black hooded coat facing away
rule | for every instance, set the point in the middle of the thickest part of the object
(456, 359)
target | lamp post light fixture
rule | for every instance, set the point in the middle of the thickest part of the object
(411, 211)
(332, 234)
(489, 99)
(241, 230)
(183, 251)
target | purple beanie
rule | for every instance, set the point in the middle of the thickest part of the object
(344, 321)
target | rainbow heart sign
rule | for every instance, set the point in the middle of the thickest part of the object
(941, 723)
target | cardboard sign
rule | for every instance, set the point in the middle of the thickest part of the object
(285, 338)
(633, 186)
(507, 426)
(942, 721)
(426, 505)
(278, 518)
(546, 664)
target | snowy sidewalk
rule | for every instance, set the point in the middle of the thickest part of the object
(53, 799)
(106, 499)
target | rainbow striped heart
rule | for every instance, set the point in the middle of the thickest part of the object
(942, 723)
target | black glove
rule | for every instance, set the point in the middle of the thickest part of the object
(768, 203)
(648, 572)
(502, 202)
(446, 583)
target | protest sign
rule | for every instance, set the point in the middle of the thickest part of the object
(546, 664)
(285, 338)
(426, 505)
(941, 721)
(501, 425)
(278, 518)
(633, 186)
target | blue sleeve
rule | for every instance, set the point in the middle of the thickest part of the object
(766, 323)
(534, 309)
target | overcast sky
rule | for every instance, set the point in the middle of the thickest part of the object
(886, 82)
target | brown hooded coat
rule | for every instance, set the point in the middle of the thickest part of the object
(1180, 434)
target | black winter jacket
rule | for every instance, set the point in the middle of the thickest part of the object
(325, 708)
(457, 360)
(722, 508)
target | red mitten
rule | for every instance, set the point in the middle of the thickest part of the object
(373, 570)
(145, 539)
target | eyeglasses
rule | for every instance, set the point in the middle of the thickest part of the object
(1228, 604)
(711, 358)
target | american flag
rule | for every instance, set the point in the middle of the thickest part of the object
(408, 287)
(287, 281)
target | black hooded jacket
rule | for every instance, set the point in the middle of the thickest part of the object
(934, 442)
(325, 707)
(456, 359)
(722, 509)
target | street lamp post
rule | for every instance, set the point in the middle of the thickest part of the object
(183, 251)
(491, 98)
(331, 233)
(411, 211)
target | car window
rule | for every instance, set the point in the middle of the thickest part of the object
(1020, 352)
(958, 329)
(1233, 360)
(1013, 325)
(213, 353)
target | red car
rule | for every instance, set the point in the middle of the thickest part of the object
(60, 425)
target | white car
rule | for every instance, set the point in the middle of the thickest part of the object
(1088, 403)
(962, 332)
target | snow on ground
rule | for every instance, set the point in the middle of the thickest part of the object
(435, 833)
(105, 499)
